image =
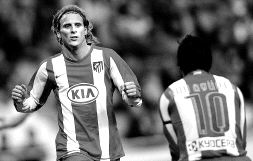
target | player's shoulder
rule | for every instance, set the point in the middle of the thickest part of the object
(105, 50)
(177, 84)
(222, 81)
(177, 87)
(109, 53)
(52, 57)
(221, 78)
(49, 59)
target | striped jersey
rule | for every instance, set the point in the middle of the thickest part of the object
(203, 116)
(84, 92)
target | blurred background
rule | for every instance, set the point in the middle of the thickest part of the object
(146, 34)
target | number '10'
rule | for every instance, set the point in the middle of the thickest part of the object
(211, 112)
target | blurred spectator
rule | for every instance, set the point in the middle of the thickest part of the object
(4, 69)
(20, 132)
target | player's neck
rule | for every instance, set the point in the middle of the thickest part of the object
(76, 53)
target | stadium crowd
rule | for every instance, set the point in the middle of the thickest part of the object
(144, 32)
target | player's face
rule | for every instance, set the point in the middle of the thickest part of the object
(72, 30)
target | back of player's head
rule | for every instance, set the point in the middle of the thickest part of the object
(194, 53)
(73, 9)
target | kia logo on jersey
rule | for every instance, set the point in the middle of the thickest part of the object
(82, 93)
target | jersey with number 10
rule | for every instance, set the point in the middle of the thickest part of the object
(207, 114)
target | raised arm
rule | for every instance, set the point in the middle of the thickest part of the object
(30, 99)
(125, 80)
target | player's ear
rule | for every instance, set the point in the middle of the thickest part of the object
(58, 35)
(85, 31)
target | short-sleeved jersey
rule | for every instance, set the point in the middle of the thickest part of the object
(207, 115)
(84, 91)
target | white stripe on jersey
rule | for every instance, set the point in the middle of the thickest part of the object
(242, 110)
(164, 103)
(38, 86)
(118, 80)
(225, 87)
(187, 115)
(37, 90)
(103, 125)
(115, 74)
(61, 78)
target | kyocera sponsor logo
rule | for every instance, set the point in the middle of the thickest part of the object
(82, 93)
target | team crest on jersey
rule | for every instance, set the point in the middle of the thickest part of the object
(82, 93)
(98, 66)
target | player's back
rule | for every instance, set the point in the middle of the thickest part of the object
(208, 117)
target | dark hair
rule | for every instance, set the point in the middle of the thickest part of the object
(90, 38)
(194, 53)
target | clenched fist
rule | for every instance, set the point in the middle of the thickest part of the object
(19, 93)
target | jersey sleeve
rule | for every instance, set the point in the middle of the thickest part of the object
(166, 102)
(120, 73)
(242, 116)
(39, 89)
